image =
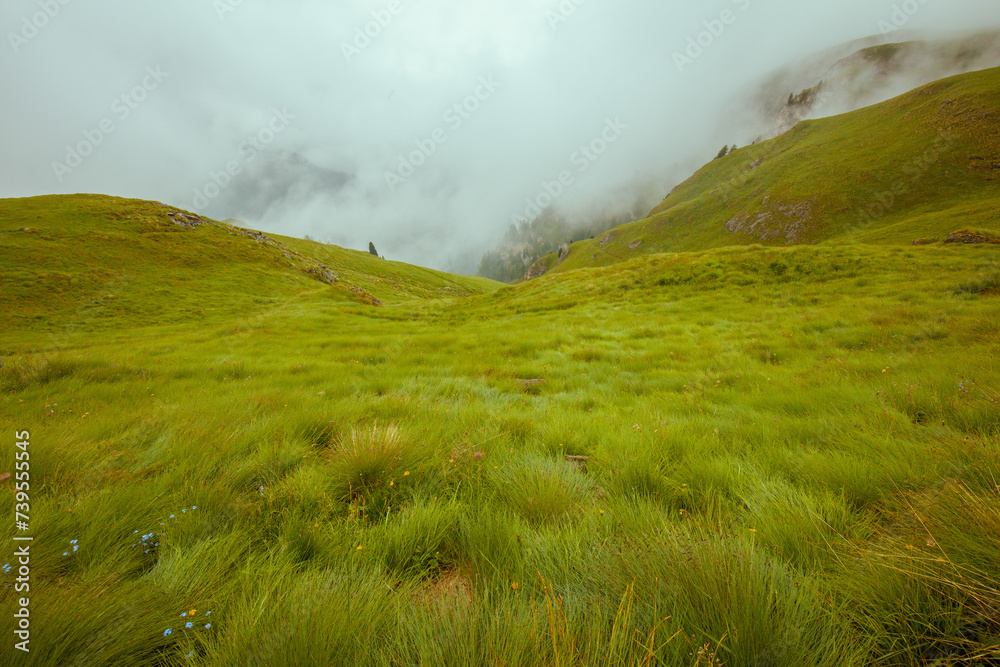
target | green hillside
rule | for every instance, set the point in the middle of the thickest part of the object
(919, 166)
(94, 260)
(741, 456)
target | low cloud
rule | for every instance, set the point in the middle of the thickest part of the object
(369, 83)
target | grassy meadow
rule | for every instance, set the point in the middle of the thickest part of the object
(741, 456)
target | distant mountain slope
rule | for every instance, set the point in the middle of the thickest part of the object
(878, 73)
(107, 261)
(522, 246)
(920, 165)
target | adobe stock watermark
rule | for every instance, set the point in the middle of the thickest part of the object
(562, 13)
(22, 555)
(900, 16)
(456, 116)
(582, 159)
(35, 23)
(704, 40)
(122, 107)
(246, 153)
(363, 35)
(224, 7)
(882, 202)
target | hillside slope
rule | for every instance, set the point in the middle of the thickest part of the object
(921, 165)
(109, 261)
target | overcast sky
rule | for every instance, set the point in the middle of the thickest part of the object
(285, 114)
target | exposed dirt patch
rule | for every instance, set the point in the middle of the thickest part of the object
(579, 461)
(366, 296)
(451, 587)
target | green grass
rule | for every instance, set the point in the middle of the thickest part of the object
(791, 453)
(89, 260)
(922, 165)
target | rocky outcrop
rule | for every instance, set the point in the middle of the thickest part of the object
(538, 269)
(563, 254)
(798, 108)
(260, 238)
(972, 237)
(323, 274)
(789, 220)
(186, 220)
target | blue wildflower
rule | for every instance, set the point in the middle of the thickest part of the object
(73, 541)
(189, 624)
(183, 614)
(168, 631)
(208, 626)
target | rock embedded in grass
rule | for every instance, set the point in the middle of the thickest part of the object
(579, 461)
(969, 236)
